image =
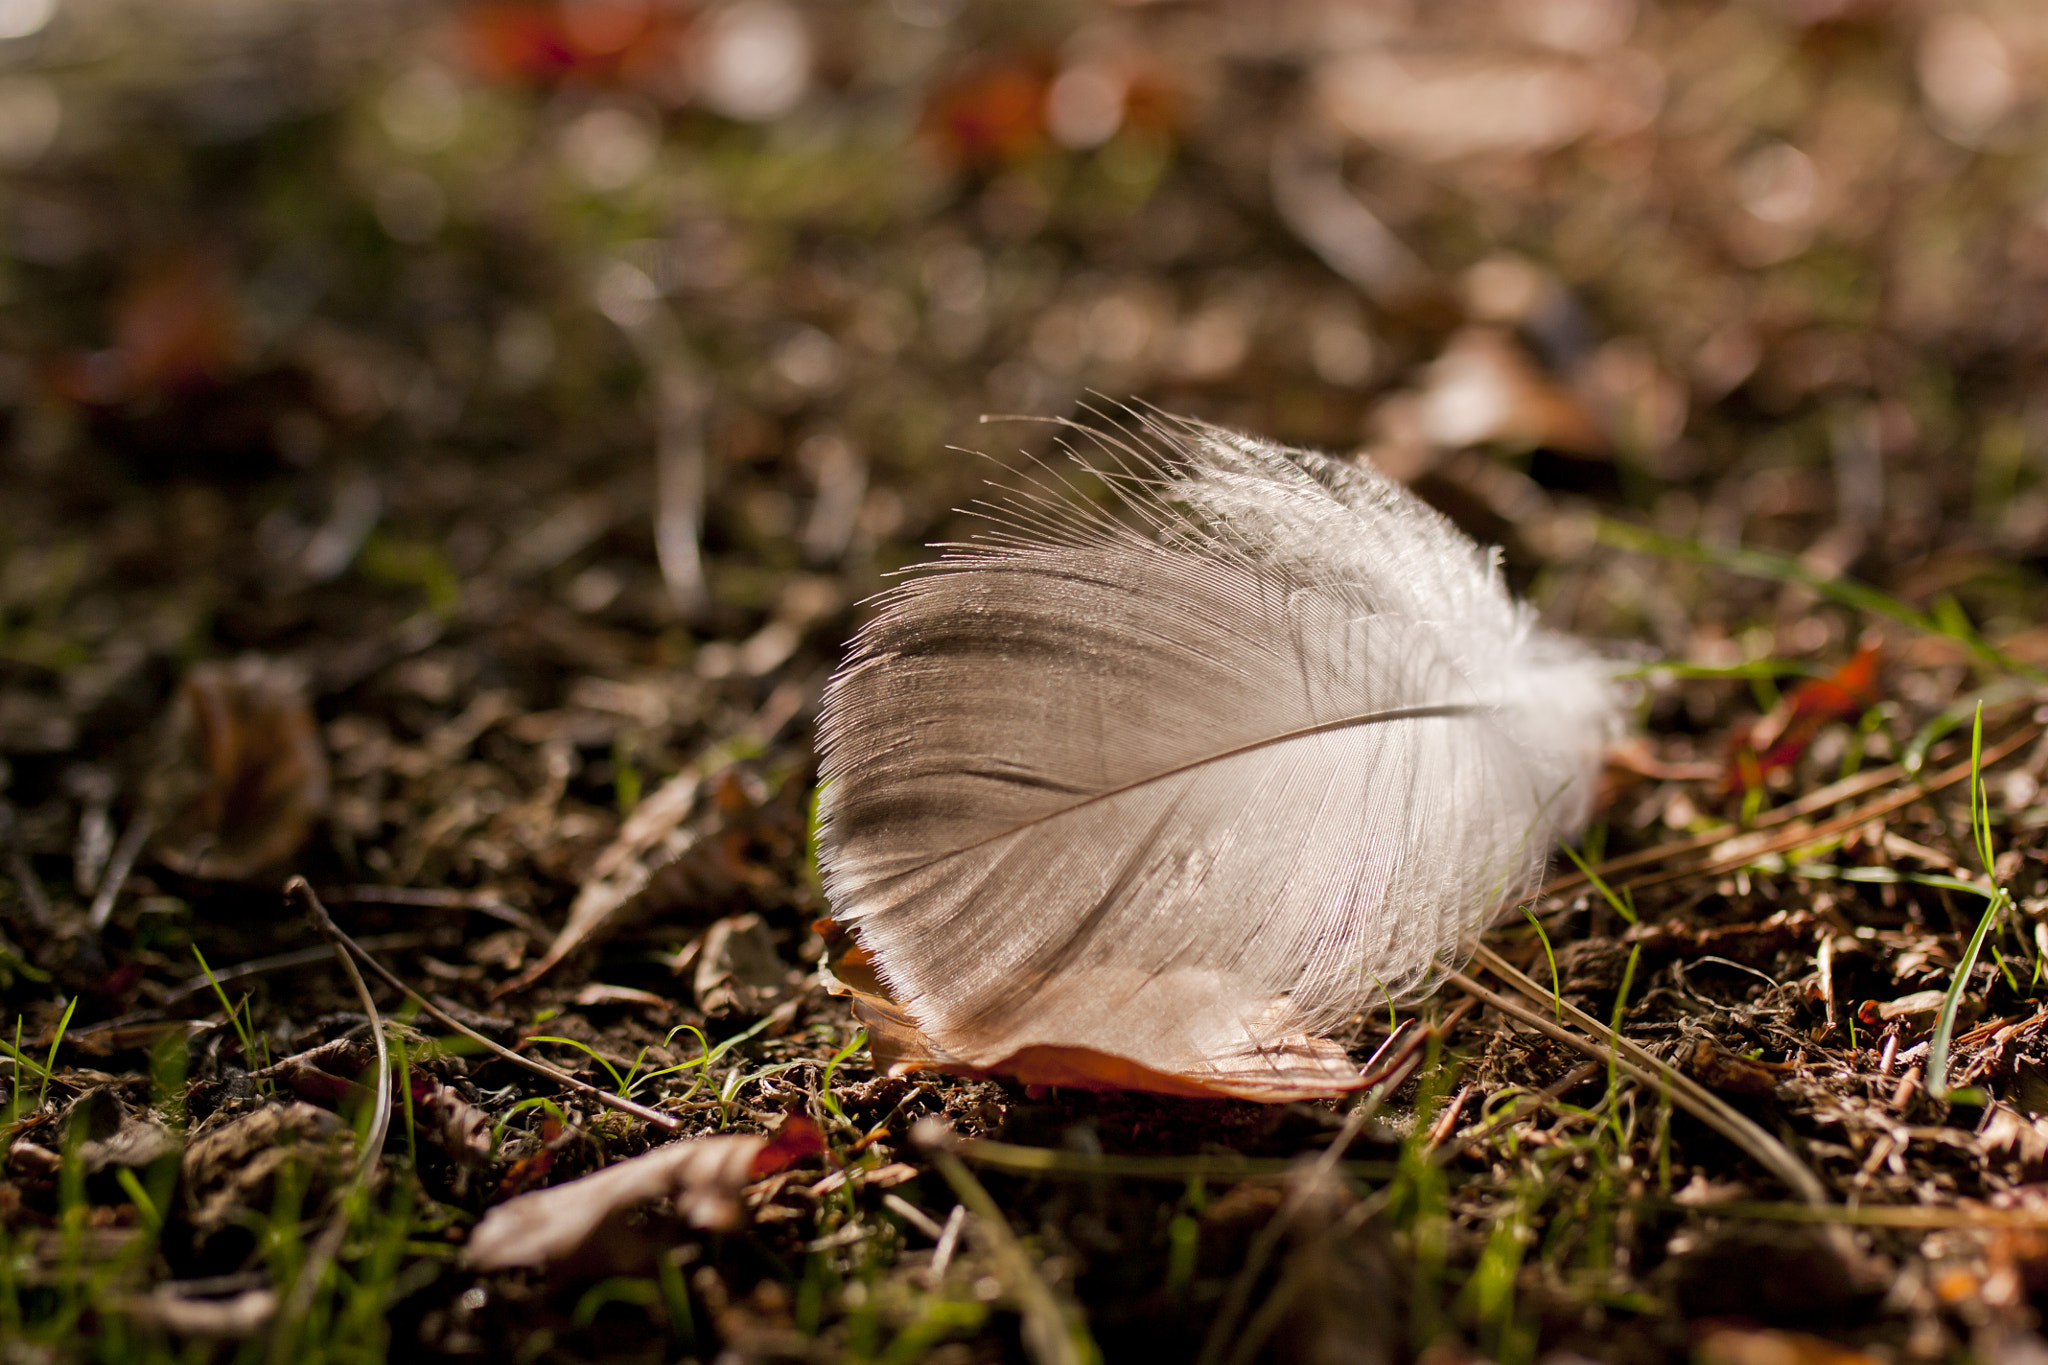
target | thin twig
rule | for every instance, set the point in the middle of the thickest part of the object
(435, 898)
(949, 1238)
(1649, 1069)
(328, 1246)
(298, 888)
(1055, 1163)
(1051, 1336)
(1447, 1120)
(279, 962)
(380, 1115)
(118, 867)
(1522, 1109)
(1820, 800)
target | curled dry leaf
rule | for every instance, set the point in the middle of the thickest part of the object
(2019, 1138)
(1733, 1073)
(243, 774)
(1436, 105)
(334, 1072)
(655, 837)
(114, 1137)
(1915, 1013)
(234, 1167)
(233, 1317)
(700, 1178)
(739, 971)
(450, 1122)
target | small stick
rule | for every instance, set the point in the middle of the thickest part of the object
(33, 897)
(1885, 805)
(1656, 1073)
(1824, 964)
(1448, 1120)
(1903, 1095)
(913, 1215)
(949, 1238)
(323, 1251)
(302, 891)
(279, 962)
(118, 867)
(1807, 805)
(1522, 1109)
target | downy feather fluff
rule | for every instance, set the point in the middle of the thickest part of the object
(1181, 785)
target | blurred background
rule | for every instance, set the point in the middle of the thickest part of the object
(599, 356)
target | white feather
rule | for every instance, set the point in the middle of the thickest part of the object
(1175, 791)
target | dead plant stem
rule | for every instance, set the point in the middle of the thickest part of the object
(298, 888)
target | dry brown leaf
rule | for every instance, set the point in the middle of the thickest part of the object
(2018, 1137)
(702, 1178)
(739, 971)
(1735, 1074)
(1444, 105)
(1484, 389)
(243, 775)
(1736, 1346)
(450, 1122)
(652, 838)
(234, 1167)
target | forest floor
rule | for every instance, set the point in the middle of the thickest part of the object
(444, 449)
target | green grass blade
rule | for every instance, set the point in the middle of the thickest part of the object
(1996, 900)
(1948, 623)
(1621, 907)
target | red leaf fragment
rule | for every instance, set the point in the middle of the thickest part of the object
(611, 43)
(176, 328)
(796, 1141)
(993, 116)
(1776, 741)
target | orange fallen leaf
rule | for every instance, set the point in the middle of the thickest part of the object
(795, 1142)
(1298, 1068)
(531, 42)
(1777, 740)
(176, 328)
(516, 42)
(993, 116)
